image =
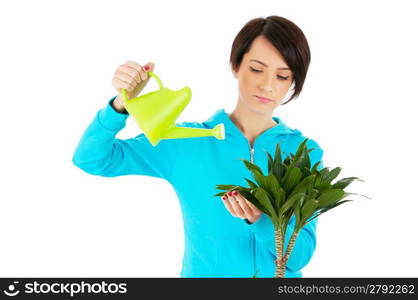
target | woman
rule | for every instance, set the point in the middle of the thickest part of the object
(226, 237)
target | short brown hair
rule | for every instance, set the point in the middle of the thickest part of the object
(285, 36)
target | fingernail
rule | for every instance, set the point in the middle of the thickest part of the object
(229, 193)
(146, 68)
(223, 198)
(234, 193)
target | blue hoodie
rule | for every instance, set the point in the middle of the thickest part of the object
(217, 244)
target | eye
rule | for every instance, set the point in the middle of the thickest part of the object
(282, 77)
(254, 70)
(278, 76)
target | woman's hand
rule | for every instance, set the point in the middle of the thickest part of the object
(132, 77)
(240, 207)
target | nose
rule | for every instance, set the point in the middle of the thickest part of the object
(266, 85)
(266, 88)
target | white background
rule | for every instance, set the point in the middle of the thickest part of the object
(56, 65)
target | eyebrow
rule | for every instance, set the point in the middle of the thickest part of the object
(260, 62)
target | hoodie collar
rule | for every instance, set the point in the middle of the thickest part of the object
(220, 116)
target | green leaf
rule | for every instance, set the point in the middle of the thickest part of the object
(308, 209)
(305, 185)
(306, 160)
(313, 193)
(291, 179)
(226, 187)
(288, 204)
(330, 197)
(278, 170)
(274, 189)
(324, 172)
(346, 194)
(301, 148)
(318, 179)
(256, 172)
(251, 184)
(315, 166)
(271, 183)
(219, 194)
(279, 199)
(331, 175)
(324, 187)
(334, 205)
(277, 155)
(303, 161)
(252, 167)
(343, 183)
(261, 180)
(326, 209)
(250, 197)
(270, 163)
(298, 214)
(264, 199)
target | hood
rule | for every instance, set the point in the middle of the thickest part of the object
(220, 116)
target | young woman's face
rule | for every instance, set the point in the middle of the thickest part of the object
(264, 73)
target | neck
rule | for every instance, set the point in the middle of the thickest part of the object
(250, 123)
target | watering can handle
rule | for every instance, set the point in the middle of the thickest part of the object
(150, 73)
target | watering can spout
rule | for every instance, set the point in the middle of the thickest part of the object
(176, 132)
(156, 113)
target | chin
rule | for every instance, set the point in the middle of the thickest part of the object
(260, 108)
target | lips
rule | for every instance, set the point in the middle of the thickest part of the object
(263, 99)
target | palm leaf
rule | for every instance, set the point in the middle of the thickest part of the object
(330, 197)
(277, 155)
(226, 187)
(219, 194)
(343, 183)
(251, 184)
(291, 179)
(270, 163)
(305, 185)
(288, 204)
(315, 166)
(250, 197)
(252, 167)
(331, 175)
(307, 210)
(320, 212)
(265, 201)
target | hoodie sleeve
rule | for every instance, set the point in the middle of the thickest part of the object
(305, 244)
(100, 153)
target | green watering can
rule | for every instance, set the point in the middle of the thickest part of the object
(156, 113)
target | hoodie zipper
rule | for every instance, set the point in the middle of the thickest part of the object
(252, 154)
(252, 234)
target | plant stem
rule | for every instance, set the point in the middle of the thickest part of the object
(279, 253)
(290, 246)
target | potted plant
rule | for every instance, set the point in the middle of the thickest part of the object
(292, 187)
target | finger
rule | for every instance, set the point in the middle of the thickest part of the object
(235, 205)
(228, 205)
(137, 67)
(127, 78)
(243, 204)
(253, 207)
(133, 73)
(150, 66)
(123, 84)
(119, 84)
(255, 211)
